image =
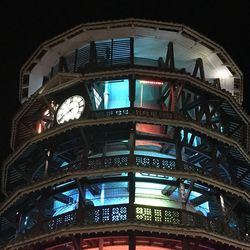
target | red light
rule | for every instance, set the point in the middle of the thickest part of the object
(151, 82)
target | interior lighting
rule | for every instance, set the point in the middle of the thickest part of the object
(151, 82)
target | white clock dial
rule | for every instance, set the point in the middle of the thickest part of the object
(70, 109)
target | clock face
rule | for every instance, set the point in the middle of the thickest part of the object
(70, 109)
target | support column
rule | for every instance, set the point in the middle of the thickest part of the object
(101, 244)
(75, 61)
(199, 67)
(92, 55)
(213, 152)
(81, 212)
(46, 167)
(19, 221)
(175, 98)
(131, 51)
(40, 217)
(182, 194)
(170, 57)
(178, 148)
(132, 240)
(185, 244)
(205, 105)
(132, 91)
(63, 66)
(77, 242)
(131, 188)
(84, 160)
(131, 145)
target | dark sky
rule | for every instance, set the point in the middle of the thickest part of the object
(27, 24)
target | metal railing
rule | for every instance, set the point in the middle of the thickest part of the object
(164, 216)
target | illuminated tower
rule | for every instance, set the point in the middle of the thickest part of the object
(131, 136)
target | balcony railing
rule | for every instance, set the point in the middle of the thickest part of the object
(133, 213)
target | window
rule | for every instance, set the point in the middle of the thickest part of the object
(111, 94)
(109, 193)
(65, 202)
(148, 94)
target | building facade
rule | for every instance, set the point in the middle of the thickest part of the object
(131, 136)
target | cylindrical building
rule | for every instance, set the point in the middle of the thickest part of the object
(131, 136)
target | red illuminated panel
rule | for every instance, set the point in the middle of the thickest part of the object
(150, 129)
(151, 82)
(126, 248)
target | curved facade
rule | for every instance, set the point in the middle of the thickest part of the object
(130, 136)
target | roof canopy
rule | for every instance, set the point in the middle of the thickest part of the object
(150, 42)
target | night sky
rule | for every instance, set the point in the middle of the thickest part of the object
(27, 24)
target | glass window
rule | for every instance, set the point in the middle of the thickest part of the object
(152, 194)
(162, 195)
(111, 94)
(148, 94)
(65, 202)
(109, 193)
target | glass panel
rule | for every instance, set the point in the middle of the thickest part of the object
(111, 94)
(148, 94)
(152, 194)
(155, 176)
(66, 202)
(110, 193)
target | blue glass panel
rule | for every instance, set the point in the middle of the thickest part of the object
(116, 94)
(62, 207)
